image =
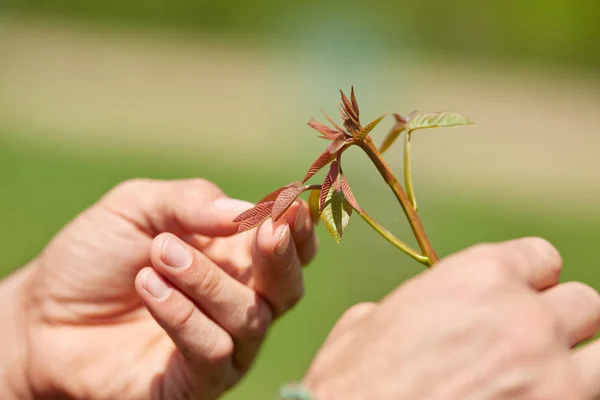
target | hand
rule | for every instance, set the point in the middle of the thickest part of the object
(118, 309)
(491, 322)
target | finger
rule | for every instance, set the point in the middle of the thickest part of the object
(303, 232)
(204, 345)
(232, 305)
(276, 268)
(587, 360)
(576, 307)
(180, 207)
(534, 259)
(231, 254)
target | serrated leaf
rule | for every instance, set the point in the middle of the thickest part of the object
(334, 174)
(336, 213)
(324, 192)
(337, 144)
(325, 158)
(354, 102)
(332, 122)
(313, 205)
(325, 131)
(255, 216)
(367, 129)
(348, 193)
(423, 120)
(284, 200)
(349, 108)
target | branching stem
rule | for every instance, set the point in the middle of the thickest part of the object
(413, 218)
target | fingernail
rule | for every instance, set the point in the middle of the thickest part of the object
(226, 203)
(300, 222)
(156, 286)
(175, 255)
(283, 233)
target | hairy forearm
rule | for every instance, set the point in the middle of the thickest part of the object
(13, 349)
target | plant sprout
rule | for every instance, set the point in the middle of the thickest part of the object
(332, 201)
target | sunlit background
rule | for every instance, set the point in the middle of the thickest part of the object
(94, 92)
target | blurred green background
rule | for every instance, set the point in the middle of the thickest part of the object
(96, 92)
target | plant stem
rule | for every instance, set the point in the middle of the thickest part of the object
(412, 216)
(410, 191)
(393, 239)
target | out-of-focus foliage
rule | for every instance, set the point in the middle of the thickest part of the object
(559, 31)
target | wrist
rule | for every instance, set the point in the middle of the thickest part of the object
(14, 383)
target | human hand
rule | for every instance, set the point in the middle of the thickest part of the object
(491, 322)
(93, 298)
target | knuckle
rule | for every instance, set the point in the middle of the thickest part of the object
(221, 349)
(195, 187)
(127, 189)
(543, 248)
(357, 311)
(533, 332)
(133, 185)
(207, 280)
(584, 297)
(490, 273)
(585, 300)
(258, 322)
(308, 252)
(182, 316)
(544, 252)
(295, 297)
(481, 249)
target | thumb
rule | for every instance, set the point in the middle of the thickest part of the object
(191, 206)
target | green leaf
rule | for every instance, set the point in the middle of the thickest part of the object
(420, 120)
(367, 129)
(336, 213)
(313, 205)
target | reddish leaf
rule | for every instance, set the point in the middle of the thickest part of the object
(255, 216)
(284, 201)
(324, 192)
(334, 174)
(325, 158)
(332, 122)
(337, 144)
(350, 125)
(348, 193)
(326, 132)
(349, 109)
(332, 179)
(273, 195)
(400, 119)
(354, 102)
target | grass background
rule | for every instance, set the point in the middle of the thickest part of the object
(75, 105)
(45, 185)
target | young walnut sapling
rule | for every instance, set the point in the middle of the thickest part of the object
(332, 201)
